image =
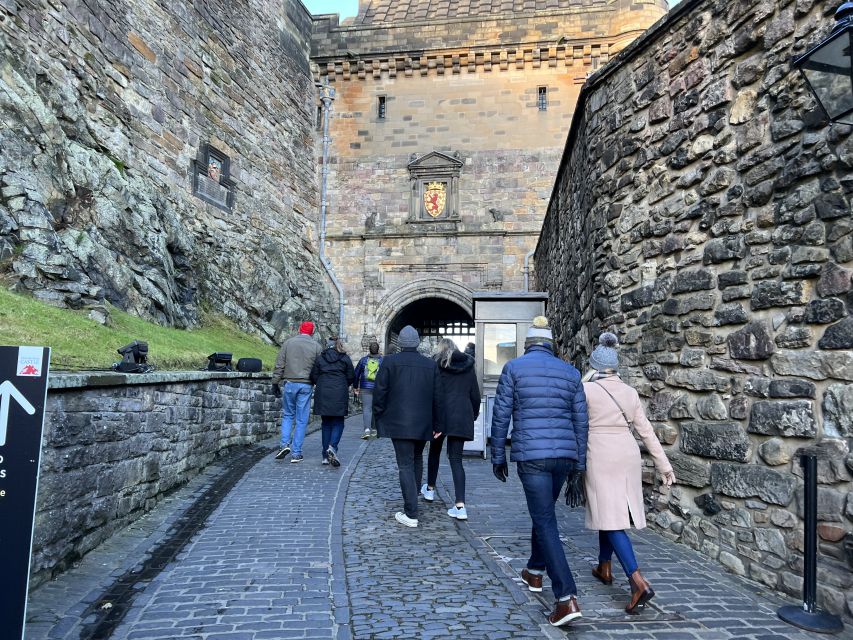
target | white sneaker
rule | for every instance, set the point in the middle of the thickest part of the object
(427, 493)
(325, 461)
(403, 519)
(458, 512)
(332, 455)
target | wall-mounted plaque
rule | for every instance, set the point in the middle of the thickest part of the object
(212, 178)
(434, 186)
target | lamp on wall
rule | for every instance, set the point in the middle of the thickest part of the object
(828, 69)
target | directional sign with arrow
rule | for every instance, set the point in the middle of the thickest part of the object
(9, 391)
(23, 395)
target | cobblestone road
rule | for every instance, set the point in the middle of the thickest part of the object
(424, 582)
(307, 551)
(696, 599)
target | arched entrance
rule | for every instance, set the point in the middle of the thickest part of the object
(434, 306)
(434, 319)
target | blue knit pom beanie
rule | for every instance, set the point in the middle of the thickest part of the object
(605, 356)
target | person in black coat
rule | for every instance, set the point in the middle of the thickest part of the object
(332, 374)
(407, 408)
(461, 399)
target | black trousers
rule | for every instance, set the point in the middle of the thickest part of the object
(454, 454)
(410, 462)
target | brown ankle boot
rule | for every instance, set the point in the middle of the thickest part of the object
(564, 612)
(641, 592)
(602, 572)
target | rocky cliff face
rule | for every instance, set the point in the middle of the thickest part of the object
(107, 111)
(703, 213)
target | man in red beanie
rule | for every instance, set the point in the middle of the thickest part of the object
(293, 367)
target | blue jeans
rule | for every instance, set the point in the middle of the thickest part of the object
(333, 429)
(296, 401)
(543, 481)
(618, 542)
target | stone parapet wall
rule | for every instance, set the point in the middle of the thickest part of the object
(114, 444)
(469, 61)
(532, 28)
(703, 213)
(107, 106)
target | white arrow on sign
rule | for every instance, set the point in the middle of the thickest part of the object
(7, 391)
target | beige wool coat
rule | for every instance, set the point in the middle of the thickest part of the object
(614, 486)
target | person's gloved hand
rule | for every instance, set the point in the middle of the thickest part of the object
(276, 390)
(501, 471)
(575, 491)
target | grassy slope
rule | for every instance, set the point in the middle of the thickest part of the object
(80, 343)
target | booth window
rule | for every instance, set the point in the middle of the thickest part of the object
(381, 108)
(543, 99)
(499, 347)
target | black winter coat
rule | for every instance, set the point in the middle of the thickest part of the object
(407, 400)
(461, 395)
(332, 374)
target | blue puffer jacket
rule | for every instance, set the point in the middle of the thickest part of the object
(545, 398)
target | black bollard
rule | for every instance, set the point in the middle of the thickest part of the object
(808, 616)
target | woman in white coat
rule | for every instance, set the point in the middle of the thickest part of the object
(614, 487)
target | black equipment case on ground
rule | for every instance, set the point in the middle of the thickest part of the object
(249, 365)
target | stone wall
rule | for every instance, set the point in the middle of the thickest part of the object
(106, 106)
(113, 444)
(703, 213)
(466, 86)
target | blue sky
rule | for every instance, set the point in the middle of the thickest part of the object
(343, 7)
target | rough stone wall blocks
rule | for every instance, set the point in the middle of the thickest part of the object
(703, 213)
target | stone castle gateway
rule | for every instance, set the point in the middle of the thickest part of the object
(475, 99)
(166, 156)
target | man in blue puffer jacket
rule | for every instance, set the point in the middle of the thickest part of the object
(544, 398)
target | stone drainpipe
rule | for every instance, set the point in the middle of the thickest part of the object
(327, 94)
(527, 257)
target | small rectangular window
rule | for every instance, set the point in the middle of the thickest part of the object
(380, 109)
(499, 347)
(319, 123)
(543, 98)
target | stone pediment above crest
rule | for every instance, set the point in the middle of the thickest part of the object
(435, 159)
(434, 185)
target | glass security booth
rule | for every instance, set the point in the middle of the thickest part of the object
(501, 321)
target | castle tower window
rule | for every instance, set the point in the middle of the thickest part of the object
(381, 108)
(212, 178)
(543, 98)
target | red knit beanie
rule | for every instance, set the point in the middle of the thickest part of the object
(307, 328)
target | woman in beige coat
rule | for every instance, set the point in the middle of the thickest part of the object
(614, 488)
